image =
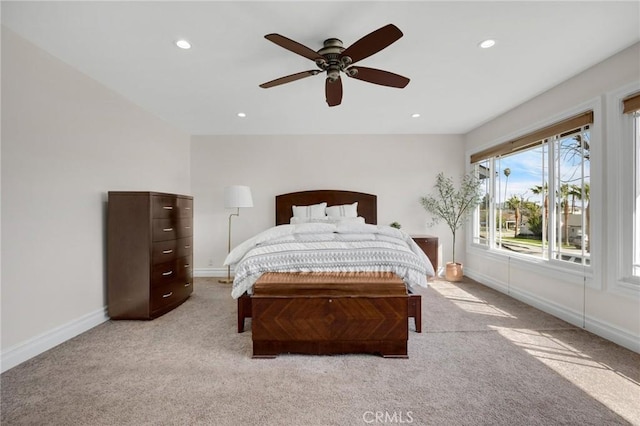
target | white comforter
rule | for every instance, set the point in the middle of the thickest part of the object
(328, 247)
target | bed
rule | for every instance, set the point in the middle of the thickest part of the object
(328, 312)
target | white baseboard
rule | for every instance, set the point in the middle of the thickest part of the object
(593, 325)
(613, 334)
(24, 351)
(210, 272)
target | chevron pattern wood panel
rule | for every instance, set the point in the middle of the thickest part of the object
(330, 313)
(317, 319)
(368, 319)
(291, 319)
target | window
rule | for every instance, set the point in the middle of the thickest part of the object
(481, 217)
(636, 210)
(537, 191)
(631, 106)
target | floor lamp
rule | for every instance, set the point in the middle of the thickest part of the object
(235, 196)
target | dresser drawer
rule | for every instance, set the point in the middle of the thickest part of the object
(185, 207)
(169, 294)
(165, 251)
(164, 229)
(185, 227)
(164, 207)
(168, 272)
(185, 246)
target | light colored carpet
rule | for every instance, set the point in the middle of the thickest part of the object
(483, 358)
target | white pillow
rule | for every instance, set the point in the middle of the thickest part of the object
(344, 210)
(315, 210)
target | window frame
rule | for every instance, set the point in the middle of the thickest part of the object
(620, 162)
(579, 273)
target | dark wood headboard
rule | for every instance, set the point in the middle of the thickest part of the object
(367, 203)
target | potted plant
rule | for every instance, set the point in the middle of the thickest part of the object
(453, 206)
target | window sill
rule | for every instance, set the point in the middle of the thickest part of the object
(553, 269)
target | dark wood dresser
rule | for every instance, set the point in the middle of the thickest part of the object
(429, 245)
(149, 253)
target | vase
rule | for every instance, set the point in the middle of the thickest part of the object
(453, 271)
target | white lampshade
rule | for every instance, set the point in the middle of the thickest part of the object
(237, 196)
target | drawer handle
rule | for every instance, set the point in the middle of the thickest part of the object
(167, 251)
(187, 208)
(167, 229)
(166, 274)
(187, 284)
(167, 207)
(164, 296)
(186, 265)
(187, 247)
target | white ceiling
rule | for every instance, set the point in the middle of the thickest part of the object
(455, 86)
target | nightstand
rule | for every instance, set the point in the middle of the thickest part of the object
(429, 245)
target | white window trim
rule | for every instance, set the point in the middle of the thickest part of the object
(620, 157)
(592, 274)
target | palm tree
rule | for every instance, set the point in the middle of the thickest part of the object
(534, 216)
(564, 195)
(506, 172)
(543, 189)
(514, 204)
(575, 191)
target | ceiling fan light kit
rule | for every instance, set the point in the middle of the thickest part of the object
(334, 59)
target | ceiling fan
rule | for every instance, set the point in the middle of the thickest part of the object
(334, 58)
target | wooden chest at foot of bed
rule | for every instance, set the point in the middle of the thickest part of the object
(315, 313)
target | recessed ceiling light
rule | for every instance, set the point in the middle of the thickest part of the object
(242, 115)
(183, 44)
(487, 43)
(416, 115)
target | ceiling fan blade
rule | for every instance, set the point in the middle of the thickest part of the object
(372, 43)
(383, 78)
(294, 47)
(289, 78)
(333, 91)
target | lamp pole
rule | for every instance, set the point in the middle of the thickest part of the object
(228, 280)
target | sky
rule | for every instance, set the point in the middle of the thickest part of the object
(527, 171)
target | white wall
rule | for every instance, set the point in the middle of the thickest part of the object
(594, 302)
(399, 169)
(66, 141)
